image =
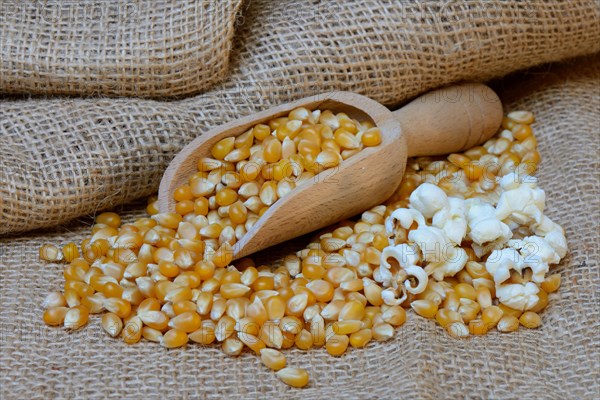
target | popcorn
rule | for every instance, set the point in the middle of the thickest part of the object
(517, 296)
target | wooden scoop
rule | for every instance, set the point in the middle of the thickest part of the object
(444, 121)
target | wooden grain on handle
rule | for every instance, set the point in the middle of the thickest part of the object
(450, 120)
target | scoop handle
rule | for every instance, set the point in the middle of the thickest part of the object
(450, 119)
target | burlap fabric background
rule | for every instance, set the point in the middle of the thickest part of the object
(67, 158)
(143, 48)
(558, 361)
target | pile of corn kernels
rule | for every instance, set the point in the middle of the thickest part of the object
(170, 278)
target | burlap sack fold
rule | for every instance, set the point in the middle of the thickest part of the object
(560, 360)
(63, 159)
(136, 48)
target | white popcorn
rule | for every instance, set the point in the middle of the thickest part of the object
(432, 242)
(454, 259)
(390, 297)
(383, 275)
(405, 218)
(519, 297)
(404, 254)
(484, 225)
(452, 220)
(428, 199)
(557, 240)
(500, 262)
(421, 276)
(522, 202)
(537, 254)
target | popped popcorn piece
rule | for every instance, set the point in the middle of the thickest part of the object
(522, 201)
(405, 254)
(454, 259)
(428, 199)
(537, 254)
(500, 262)
(405, 218)
(452, 220)
(421, 277)
(517, 296)
(484, 225)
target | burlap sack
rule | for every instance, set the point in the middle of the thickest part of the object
(63, 159)
(560, 360)
(138, 48)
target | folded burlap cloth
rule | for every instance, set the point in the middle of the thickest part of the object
(65, 158)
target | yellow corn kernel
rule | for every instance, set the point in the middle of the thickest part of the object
(521, 117)
(174, 338)
(296, 304)
(151, 334)
(186, 322)
(425, 308)
(445, 317)
(233, 290)
(457, 329)
(118, 306)
(75, 317)
(222, 148)
(478, 327)
(223, 256)
(55, 316)
(224, 328)
(338, 275)
(372, 292)
(371, 137)
(263, 283)
(361, 338)
(112, 324)
(154, 319)
(109, 218)
(70, 252)
(322, 290)
(530, 320)
(205, 269)
(275, 307)
(149, 304)
(304, 340)
(551, 283)
(50, 252)
(491, 315)
(394, 315)
(510, 311)
(54, 299)
(542, 301)
(183, 306)
(484, 297)
(205, 335)
(508, 323)
(346, 327)
(271, 335)
(337, 344)
(272, 359)
(465, 291)
(168, 220)
(352, 310)
(346, 139)
(232, 346)
(477, 270)
(382, 332)
(177, 293)
(295, 377)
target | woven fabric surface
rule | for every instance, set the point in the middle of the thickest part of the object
(63, 159)
(557, 361)
(137, 48)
